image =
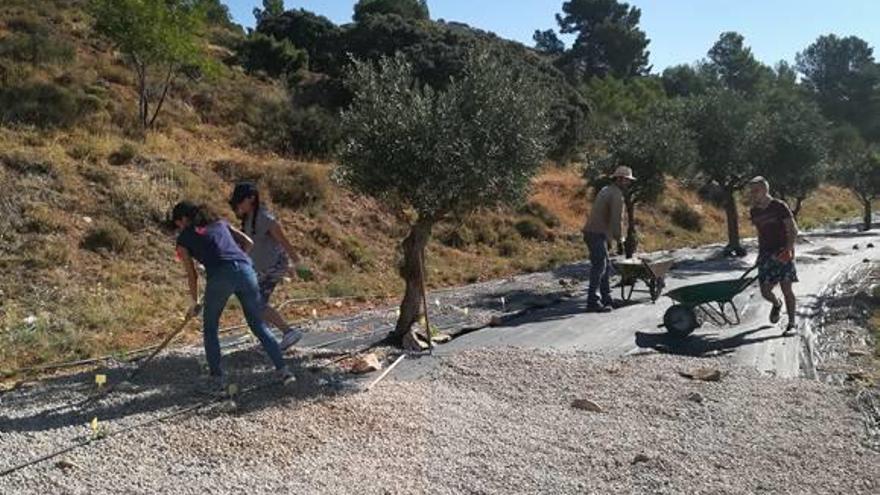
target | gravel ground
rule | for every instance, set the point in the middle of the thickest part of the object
(479, 422)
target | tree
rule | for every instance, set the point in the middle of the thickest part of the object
(548, 43)
(160, 35)
(608, 41)
(614, 100)
(735, 66)
(657, 146)
(408, 9)
(315, 34)
(686, 80)
(796, 139)
(856, 166)
(271, 9)
(731, 141)
(433, 154)
(842, 75)
(260, 52)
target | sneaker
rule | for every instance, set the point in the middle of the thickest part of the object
(291, 337)
(774, 313)
(789, 328)
(287, 376)
(598, 309)
(613, 303)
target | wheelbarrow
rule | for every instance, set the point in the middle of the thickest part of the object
(709, 300)
(652, 274)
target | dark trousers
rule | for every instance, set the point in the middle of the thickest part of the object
(600, 269)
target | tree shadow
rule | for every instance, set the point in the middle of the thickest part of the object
(703, 345)
(171, 382)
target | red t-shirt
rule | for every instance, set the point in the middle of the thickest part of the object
(770, 223)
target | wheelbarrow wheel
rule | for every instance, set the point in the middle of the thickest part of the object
(680, 320)
(656, 288)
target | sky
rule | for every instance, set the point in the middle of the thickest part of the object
(681, 31)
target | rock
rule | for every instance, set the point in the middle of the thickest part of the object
(857, 352)
(703, 374)
(586, 405)
(866, 260)
(640, 458)
(338, 304)
(441, 338)
(855, 247)
(495, 321)
(366, 363)
(870, 245)
(64, 464)
(696, 397)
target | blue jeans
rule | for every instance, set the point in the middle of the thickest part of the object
(600, 269)
(240, 279)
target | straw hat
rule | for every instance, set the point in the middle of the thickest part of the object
(623, 173)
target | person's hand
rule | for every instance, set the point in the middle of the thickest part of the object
(194, 310)
(785, 256)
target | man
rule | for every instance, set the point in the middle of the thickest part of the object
(603, 225)
(777, 233)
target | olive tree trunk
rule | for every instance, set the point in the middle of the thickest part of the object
(412, 270)
(869, 217)
(733, 242)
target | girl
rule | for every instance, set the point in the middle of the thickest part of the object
(220, 248)
(271, 252)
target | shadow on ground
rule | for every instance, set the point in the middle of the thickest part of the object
(704, 344)
(169, 383)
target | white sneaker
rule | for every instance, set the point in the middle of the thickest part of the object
(291, 337)
(287, 376)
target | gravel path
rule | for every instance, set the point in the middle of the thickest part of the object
(496, 421)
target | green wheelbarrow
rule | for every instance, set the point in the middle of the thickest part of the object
(652, 274)
(709, 300)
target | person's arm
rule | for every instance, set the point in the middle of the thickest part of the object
(791, 233)
(192, 276)
(615, 214)
(245, 242)
(277, 233)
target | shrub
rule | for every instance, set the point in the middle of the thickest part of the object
(27, 164)
(342, 286)
(510, 247)
(456, 236)
(138, 204)
(530, 227)
(124, 155)
(262, 53)
(84, 151)
(44, 105)
(40, 219)
(235, 171)
(357, 253)
(36, 48)
(686, 217)
(107, 235)
(305, 186)
(541, 212)
(310, 132)
(48, 254)
(97, 174)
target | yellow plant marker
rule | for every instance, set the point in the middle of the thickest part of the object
(100, 380)
(94, 425)
(233, 389)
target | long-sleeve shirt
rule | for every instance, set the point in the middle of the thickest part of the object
(605, 217)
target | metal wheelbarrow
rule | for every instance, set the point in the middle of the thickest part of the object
(709, 300)
(652, 274)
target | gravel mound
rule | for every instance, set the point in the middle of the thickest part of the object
(497, 421)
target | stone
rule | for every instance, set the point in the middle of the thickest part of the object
(696, 397)
(586, 405)
(640, 458)
(870, 245)
(855, 247)
(64, 465)
(857, 352)
(703, 374)
(366, 363)
(441, 338)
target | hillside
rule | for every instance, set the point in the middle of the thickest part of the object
(87, 267)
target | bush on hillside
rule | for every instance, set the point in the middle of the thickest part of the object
(44, 105)
(36, 48)
(530, 227)
(107, 235)
(124, 155)
(302, 186)
(311, 132)
(686, 217)
(541, 212)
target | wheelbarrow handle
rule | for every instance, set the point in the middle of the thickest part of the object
(747, 272)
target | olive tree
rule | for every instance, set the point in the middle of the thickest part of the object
(654, 147)
(856, 166)
(731, 137)
(431, 154)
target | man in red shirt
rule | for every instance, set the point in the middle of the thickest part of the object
(777, 233)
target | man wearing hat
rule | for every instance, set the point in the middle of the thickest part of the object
(777, 233)
(604, 225)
